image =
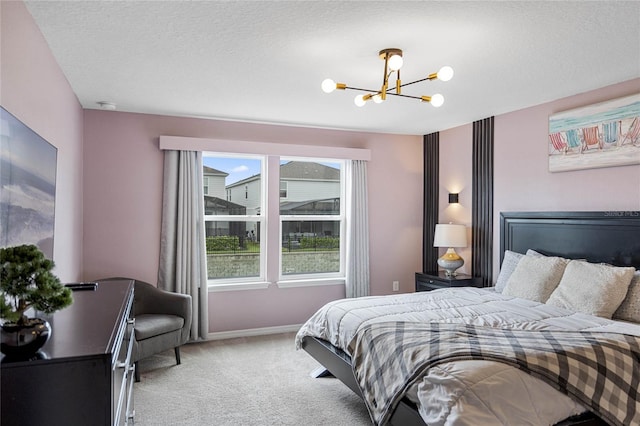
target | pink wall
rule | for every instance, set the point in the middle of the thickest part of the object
(123, 194)
(33, 88)
(522, 179)
(455, 177)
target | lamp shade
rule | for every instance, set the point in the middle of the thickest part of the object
(450, 235)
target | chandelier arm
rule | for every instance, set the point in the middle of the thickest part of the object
(363, 90)
(377, 92)
(404, 96)
(389, 93)
(417, 81)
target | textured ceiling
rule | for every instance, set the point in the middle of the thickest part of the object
(264, 61)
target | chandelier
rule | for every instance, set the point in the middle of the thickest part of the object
(392, 64)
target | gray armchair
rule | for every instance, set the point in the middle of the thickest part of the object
(163, 321)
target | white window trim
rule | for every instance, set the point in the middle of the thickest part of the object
(262, 148)
(300, 280)
(311, 282)
(245, 283)
(255, 285)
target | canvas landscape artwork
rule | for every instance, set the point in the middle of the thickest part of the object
(606, 134)
(27, 186)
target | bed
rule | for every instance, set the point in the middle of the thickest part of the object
(608, 237)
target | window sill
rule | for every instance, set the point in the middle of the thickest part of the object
(260, 285)
(310, 282)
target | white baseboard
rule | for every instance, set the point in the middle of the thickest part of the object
(219, 335)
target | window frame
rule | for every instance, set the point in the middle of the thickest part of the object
(291, 280)
(246, 282)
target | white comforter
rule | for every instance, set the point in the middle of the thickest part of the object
(467, 392)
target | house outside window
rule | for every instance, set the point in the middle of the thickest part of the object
(234, 247)
(213, 180)
(311, 218)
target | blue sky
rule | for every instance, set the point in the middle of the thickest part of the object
(238, 168)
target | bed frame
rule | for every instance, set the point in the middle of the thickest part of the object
(612, 237)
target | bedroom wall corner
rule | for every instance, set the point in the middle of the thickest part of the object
(34, 89)
(523, 181)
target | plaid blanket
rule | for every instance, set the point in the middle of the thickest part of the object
(600, 370)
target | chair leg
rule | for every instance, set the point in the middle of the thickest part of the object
(177, 351)
(136, 374)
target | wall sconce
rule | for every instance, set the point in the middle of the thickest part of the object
(453, 198)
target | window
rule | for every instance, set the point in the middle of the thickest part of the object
(310, 217)
(205, 182)
(233, 227)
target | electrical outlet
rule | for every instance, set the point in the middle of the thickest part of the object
(396, 285)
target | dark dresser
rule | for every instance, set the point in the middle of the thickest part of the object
(83, 375)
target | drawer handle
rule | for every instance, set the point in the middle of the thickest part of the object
(121, 364)
(131, 321)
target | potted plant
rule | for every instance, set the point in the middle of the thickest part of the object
(26, 281)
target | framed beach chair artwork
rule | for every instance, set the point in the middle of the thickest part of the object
(611, 134)
(606, 134)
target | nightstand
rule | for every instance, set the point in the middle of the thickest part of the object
(434, 280)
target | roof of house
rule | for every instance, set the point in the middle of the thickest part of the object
(211, 171)
(299, 170)
(308, 170)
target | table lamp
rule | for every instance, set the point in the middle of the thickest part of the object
(450, 236)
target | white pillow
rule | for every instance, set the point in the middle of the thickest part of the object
(629, 309)
(509, 263)
(535, 278)
(592, 288)
(534, 253)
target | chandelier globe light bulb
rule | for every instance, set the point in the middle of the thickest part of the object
(437, 100)
(395, 62)
(377, 99)
(445, 73)
(359, 100)
(328, 85)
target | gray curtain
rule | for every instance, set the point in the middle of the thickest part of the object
(357, 283)
(183, 263)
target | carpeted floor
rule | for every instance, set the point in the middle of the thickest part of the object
(259, 380)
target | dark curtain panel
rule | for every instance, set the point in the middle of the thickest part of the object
(430, 200)
(482, 209)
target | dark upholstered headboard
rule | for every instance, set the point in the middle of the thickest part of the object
(611, 237)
